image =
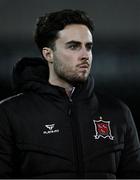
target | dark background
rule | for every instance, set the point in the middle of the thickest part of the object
(116, 61)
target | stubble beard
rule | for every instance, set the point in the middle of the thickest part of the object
(70, 76)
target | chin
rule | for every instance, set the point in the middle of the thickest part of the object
(78, 80)
(83, 78)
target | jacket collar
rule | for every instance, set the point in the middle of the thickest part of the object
(31, 74)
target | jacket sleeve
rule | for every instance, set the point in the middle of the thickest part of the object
(6, 147)
(130, 159)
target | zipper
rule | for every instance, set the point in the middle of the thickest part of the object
(77, 144)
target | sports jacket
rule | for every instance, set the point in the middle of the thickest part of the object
(45, 134)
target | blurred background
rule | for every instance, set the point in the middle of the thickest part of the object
(116, 62)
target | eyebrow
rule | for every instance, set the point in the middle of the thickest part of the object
(78, 42)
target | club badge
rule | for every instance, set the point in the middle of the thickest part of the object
(102, 129)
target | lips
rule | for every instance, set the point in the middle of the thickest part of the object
(83, 65)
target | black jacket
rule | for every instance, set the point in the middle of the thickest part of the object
(45, 134)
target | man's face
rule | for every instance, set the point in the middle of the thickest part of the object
(72, 56)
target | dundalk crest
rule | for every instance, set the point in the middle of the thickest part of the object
(102, 129)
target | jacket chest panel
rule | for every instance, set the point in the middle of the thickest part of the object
(66, 135)
(102, 139)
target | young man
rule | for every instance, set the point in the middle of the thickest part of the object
(56, 127)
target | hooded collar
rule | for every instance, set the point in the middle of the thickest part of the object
(32, 74)
(29, 70)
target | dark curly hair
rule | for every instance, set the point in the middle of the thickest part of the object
(49, 25)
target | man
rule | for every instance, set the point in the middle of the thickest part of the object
(56, 127)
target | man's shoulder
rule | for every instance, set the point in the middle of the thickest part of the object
(11, 99)
(110, 102)
(20, 99)
(115, 110)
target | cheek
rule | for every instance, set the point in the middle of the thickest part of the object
(69, 59)
(90, 59)
(68, 55)
(90, 56)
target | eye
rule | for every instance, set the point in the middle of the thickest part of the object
(89, 47)
(73, 46)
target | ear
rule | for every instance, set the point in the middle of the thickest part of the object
(48, 54)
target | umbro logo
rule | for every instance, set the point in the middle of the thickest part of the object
(50, 129)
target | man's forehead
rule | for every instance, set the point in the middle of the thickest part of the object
(75, 32)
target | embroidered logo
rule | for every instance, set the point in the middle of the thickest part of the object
(50, 129)
(102, 129)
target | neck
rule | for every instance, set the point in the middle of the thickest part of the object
(57, 81)
(61, 83)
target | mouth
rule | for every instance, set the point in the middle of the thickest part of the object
(83, 66)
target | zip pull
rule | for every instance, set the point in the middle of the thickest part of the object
(71, 93)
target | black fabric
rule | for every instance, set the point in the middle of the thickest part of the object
(29, 70)
(43, 134)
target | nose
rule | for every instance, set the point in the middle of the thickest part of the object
(84, 54)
